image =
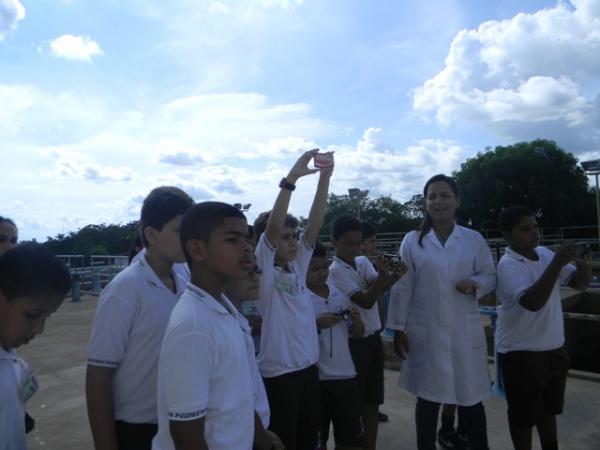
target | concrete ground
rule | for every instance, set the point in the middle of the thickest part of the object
(58, 357)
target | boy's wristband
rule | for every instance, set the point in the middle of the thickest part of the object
(285, 184)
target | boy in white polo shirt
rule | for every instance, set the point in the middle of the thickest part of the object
(128, 328)
(205, 384)
(356, 277)
(336, 319)
(33, 284)
(289, 346)
(530, 328)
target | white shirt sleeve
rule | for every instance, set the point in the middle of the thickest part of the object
(186, 363)
(12, 409)
(304, 255)
(401, 293)
(369, 269)
(513, 281)
(112, 325)
(265, 260)
(567, 273)
(345, 280)
(485, 269)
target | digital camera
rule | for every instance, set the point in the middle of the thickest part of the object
(393, 258)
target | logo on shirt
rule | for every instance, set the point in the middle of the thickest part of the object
(187, 415)
(286, 283)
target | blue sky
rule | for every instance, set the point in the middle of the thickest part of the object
(102, 101)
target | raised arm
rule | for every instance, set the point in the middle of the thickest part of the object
(282, 202)
(319, 205)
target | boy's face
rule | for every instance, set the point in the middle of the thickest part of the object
(228, 251)
(8, 236)
(22, 318)
(287, 245)
(348, 246)
(525, 235)
(368, 245)
(318, 271)
(248, 288)
(166, 241)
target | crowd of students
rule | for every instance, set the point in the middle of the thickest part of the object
(172, 362)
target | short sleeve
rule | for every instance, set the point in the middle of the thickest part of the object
(513, 280)
(12, 410)
(265, 260)
(186, 364)
(112, 325)
(567, 273)
(304, 255)
(345, 280)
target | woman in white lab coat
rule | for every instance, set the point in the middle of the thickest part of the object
(435, 312)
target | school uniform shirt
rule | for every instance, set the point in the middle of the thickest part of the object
(518, 328)
(261, 403)
(335, 361)
(12, 406)
(127, 332)
(350, 281)
(289, 340)
(447, 361)
(204, 371)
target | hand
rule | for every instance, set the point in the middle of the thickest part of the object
(467, 286)
(565, 253)
(354, 315)
(327, 321)
(301, 168)
(401, 345)
(276, 442)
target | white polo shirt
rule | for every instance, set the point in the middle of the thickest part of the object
(335, 361)
(261, 402)
(204, 371)
(517, 327)
(12, 406)
(350, 281)
(289, 340)
(127, 332)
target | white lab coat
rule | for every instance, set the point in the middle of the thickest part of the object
(447, 362)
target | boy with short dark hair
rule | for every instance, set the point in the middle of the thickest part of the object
(205, 387)
(336, 320)
(356, 277)
(289, 346)
(530, 328)
(33, 284)
(131, 317)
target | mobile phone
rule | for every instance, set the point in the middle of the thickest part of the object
(323, 160)
(581, 249)
(393, 258)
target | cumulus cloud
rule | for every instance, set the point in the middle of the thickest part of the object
(77, 48)
(229, 186)
(537, 68)
(277, 148)
(76, 164)
(376, 165)
(181, 158)
(11, 11)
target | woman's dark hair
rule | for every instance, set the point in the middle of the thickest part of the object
(427, 223)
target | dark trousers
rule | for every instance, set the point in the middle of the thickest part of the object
(135, 436)
(295, 402)
(426, 417)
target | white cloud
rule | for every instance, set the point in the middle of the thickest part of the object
(374, 164)
(77, 48)
(278, 148)
(183, 157)
(532, 69)
(76, 164)
(11, 11)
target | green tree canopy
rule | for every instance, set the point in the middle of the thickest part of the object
(538, 174)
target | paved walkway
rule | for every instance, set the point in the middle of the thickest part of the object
(58, 357)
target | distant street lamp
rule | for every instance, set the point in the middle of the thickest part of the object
(358, 196)
(593, 168)
(243, 207)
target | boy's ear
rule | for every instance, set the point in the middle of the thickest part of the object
(150, 234)
(196, 249)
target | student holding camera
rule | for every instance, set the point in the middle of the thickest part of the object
(435, 312)
(356, 277)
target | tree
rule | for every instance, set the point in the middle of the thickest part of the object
(539, 175)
